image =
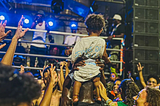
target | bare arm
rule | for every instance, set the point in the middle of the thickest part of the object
(67, 69)
(105, 56)
(139, 67)
(48, 93)
(8, 57)
(61, 74)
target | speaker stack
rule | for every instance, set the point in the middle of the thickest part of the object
(144, 16)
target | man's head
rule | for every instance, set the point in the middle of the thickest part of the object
(152, 80)
(117, 19)
(148, 97)
(94, 23)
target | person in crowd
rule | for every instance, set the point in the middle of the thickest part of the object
(71, 39)
(113, 77)
(152, 80)
(148, 97)
(39, 37)
(115, 94)
(87, 94)
(127, 88)
(17, 89)
(89, 48)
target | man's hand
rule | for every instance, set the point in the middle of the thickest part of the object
(53, 75)
(22, 69)
(2, 30)
(139, 67)
(109, 37)
(19, 33)
(62, 64)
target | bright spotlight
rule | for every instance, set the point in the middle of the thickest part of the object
(2, 17)
(73, 25)
(50, 23)
(26, 21)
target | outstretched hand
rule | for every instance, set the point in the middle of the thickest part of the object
(19, 33)
(139, 67)
(102, 91)
(53, 75)
(2, 30)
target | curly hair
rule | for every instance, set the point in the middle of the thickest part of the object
(129, 89)
(153, 96)
(17, 88)
(95, 22)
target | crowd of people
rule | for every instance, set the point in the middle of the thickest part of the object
(84, 85)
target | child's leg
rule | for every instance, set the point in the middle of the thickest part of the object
(96, 82)
(76, 89)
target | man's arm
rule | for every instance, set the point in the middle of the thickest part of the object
(8, 57)
(139, 67)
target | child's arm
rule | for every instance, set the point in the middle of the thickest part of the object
(105, 56)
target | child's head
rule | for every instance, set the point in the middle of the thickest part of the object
(94, 23)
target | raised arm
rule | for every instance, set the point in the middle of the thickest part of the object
(48, 93)
(8, 57)
(2, 32)
(140, 68)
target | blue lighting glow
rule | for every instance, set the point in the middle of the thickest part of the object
(27, 21)
(73, 25)
(4, 16)
(51, 23)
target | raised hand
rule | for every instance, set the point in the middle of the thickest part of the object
(53, 75)
(19, 33)
(2, 30)
(22, 69)
(139, 67)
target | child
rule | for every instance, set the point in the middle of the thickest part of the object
(89, 48)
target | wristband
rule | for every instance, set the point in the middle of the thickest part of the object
(113, 36)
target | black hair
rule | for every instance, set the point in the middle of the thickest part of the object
(153, 76)
(17, 88)
(95, 22)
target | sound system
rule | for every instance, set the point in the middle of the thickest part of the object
(144, 16)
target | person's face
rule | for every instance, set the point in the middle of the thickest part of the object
(141, 98)
(152, 82)
(113, 77)
(39, 15)
(116, 85)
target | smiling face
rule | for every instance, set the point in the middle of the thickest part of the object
(116, 85)
(152, 82)
(141, 98)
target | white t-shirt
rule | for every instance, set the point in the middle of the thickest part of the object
(89, 48)
(39, 36)
(70, 40)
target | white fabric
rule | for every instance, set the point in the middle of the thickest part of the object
(89, 48)
(70, 40)
(117, 17)
(39, 35)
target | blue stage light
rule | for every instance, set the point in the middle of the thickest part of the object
(51, 23)
(3, 16)
(73, 25)
(27, 21)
